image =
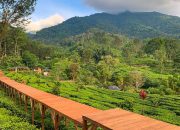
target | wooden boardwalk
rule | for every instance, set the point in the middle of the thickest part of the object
(79, 113)
(117, 119)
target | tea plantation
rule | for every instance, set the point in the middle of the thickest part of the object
(165, 108)
(12, 117)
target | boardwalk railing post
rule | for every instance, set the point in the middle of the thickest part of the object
(9, 91)
(32, 107)
(66, 122)
(42, 110)
(56, 120)
(75, 126)
(26, 103)
(85, 126)
(12, 93)
(20, 98)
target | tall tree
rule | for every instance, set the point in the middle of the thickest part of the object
(29, 59)
(14, 13)
(74, 71)
(177, 62)
(136, 79)
(18, 38)
(161, 57)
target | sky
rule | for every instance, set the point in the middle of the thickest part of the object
(52, 12)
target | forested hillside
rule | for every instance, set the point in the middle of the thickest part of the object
(139, 25)
(104, 59)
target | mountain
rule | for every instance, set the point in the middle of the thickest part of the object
(137, 24)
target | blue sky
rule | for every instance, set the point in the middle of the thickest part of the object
(52, 12)
(65, 8)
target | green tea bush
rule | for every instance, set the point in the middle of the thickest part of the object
(153, 91)
(56, 90)
(127, 104)
(12, 117)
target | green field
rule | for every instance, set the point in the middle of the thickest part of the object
(12, 117)
(165, 108)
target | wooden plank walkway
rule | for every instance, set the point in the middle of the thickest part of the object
(118, 119)
(76, 112)
(64, 107)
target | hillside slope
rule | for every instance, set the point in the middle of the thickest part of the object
(139, 25)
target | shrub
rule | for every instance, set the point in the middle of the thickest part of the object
(153, 91)
(155, 101)
(169, 91)
(10, 61)
(127, 104)
(56, 90)
(151, 83)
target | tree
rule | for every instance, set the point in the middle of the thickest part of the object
(160, 55)
(86, 77)
(13, 13)
(11, 61)
(136, 79)
(153, 45)
(74, 70)
(61, 69)
(105, 68)
(173, 82)
(118, 79)
(17, 38)
(29, 59)
(104, 72)
(128, 53)
(87, 54)
(177, 62)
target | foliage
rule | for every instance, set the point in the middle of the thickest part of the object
(135, 78)
(11, 61)
(174, 82)
(29, 59)
(55, 90)
(12, 122)
(13, 13)
(104, 59)
(13, 117)
(127, 104)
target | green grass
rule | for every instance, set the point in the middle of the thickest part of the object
(165, 108)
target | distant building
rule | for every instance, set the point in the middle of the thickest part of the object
(38, 70)
(18, 69)
(46, 72)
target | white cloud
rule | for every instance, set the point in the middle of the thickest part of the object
(116, 6)
(44, 23)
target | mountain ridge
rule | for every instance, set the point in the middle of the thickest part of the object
(132, 24)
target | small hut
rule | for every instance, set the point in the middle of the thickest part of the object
(38, 70)
(46, 72)
(18, 69)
